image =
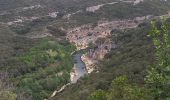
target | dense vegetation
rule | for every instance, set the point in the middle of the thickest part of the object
(138, 70)
(131, 59)
(46, 67)
(34, 68)
(158, 78)
(122, 90)
(121, 11)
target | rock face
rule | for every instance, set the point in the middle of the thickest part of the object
(94, 8)
(53, 14)
(137, 2)
(97, 7)
(32, 7)
(84, 35)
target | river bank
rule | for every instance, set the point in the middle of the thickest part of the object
(78, 71)
(83, 63)
(79, 68)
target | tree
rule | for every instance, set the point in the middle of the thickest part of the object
(158, 77)
(7, 95)
(6, 88)
(98, 95)
(122, 90)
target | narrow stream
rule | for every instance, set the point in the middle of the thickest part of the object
(79, 67)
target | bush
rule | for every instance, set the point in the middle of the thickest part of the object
(7, 95)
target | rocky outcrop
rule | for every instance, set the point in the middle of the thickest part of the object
(82, 36)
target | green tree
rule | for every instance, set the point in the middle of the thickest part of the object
(158, 77)
(98, 95)
(7, 95)
(122, 90)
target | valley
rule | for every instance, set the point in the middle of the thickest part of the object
(79, 36)
(66, 50)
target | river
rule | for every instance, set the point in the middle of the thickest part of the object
(79, 67)
(79, 71)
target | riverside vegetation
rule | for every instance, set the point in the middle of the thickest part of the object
(32, 66)
(48, 65)
(137, 69)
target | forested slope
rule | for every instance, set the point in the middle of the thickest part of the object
(35, 57)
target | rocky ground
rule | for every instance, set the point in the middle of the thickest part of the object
(84, 35)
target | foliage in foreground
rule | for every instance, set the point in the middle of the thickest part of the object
(121, 90)
(158, 78)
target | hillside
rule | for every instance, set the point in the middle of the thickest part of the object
(38, 40)
(130, 58)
